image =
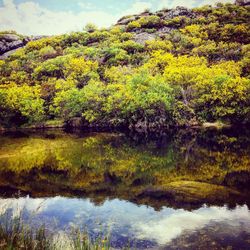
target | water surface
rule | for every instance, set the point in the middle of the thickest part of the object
(175, 190)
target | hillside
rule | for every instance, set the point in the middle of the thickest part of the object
(170, 68)
(10, 41)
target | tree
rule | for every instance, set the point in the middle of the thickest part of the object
(21, 104)
(81, 71)
(90, 27)
(224, 98)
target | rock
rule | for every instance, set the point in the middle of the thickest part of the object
(2, 45)
(7, 54)
(10, 42)
(141, 38)
(126, 20)
(190, 194)
(215, 125)
(146, 13)
(242, 2)
(34, 38)
(75, 122)
(10, 37)
(178, 11)
(164, 31)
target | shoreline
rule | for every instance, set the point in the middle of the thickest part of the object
(64, 126)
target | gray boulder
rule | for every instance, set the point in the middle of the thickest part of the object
(242, 2)
(10, 42)
(10, 37)
(164, 31)
(7, 54)
(141, 38)
(127, 20)
(178, 11)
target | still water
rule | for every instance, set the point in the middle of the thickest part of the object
(175, 190)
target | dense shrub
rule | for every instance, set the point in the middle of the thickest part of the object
(196, 69)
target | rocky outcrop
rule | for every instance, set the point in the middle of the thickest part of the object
(10, 42)
(178, 11)
(164, 14)
(141, 35)
(126, 20)
(242, 2)
(141, 38)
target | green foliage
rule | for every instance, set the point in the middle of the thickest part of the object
(21, 103)
(153, 45)
(176, 22)
(68, 103)
(116, 56)
(145, 22)
(90, 27)
(16, 234)
(81, 70)
(51, 68)
(142, 97)
(150, 21)
(228, 99)
(47, 52)
(112, 77)
(134, 25)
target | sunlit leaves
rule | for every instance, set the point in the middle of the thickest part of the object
(24, 100)
(196, 69)
(81, 70)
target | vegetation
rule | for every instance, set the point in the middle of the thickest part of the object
(196, 72)
(200, 166)
(15, 234)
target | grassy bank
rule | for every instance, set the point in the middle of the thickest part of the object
(15, 234)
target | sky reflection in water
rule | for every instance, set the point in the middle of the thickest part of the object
(112, 173)
(125, 219)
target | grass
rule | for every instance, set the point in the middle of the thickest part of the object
(16, 235)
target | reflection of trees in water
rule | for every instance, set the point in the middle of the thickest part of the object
(109, 163)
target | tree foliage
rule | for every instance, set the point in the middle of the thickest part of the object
(195, 69)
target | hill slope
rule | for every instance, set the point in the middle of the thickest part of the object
(176, 67)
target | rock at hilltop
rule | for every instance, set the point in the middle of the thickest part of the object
(242, 2)
(10, 42)
(176, 12)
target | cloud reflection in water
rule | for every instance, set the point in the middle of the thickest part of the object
(124, 218)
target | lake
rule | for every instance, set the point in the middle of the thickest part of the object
(172, 190)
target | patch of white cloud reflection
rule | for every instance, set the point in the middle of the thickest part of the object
(123, 217)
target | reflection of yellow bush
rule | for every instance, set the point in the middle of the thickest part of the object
(87, 160)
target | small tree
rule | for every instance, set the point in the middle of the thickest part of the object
(90, 27)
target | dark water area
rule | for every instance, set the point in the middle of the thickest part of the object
(187, 189)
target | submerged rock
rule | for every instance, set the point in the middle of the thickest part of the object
(189, 194)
